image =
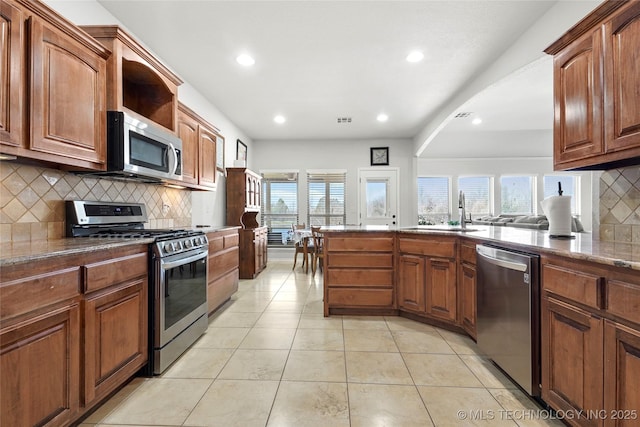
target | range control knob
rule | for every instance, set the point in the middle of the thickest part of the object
(168, 248)
(187, 243)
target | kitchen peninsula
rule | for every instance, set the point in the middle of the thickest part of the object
(589, 299)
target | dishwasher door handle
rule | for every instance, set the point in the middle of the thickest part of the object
(518, 266)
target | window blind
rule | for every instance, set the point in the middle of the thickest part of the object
(326, 198)
(280, 205)
(433, 200)
(477, 193)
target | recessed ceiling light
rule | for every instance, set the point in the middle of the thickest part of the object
(279, 119)
(245, 60)
(476, 121)
(382, 117)
(415, 56)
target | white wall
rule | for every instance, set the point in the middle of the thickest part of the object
(349, 155)
(208, 207)
(496, 167)
(526, 49)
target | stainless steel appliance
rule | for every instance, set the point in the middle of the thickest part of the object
(139, 148)
(508, 323)
(177, 273)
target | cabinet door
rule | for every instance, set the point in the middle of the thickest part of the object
(411, 283)
(622, 365)
(207, 173)
(68, 112)
(40, 362)
(468, 297)
(188, 133)
(577, 86)
(12, 75)
(115, 337)
(572, 352)
(622, 62)
(441, 288)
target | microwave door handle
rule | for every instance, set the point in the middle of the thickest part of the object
(174, 167)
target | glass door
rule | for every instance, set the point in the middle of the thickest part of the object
(378, 196)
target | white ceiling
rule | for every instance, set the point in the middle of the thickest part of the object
(320, 60)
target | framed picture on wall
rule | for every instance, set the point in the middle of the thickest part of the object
(220, 153)
(241, 152)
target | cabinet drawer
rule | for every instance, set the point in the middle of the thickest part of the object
(445, 249)
(30, 293)
(221, 263)
(623, 300)
(231, 240)
(468, 253)
(216, 243)
(365, 244)
(581, 287)
(379, 260)
(106, 273)
(358, 277)
(360, 297)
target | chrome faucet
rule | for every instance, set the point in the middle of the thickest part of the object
(463, 213)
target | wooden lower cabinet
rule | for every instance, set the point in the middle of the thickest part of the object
(253, 251)
(115, 336)
(621, 372)
(224, 272)
(40, 365)
(359, 273)
(427, 276)
(411, 283)
(72, 330)
(590, 331)
(572, 359)
(467, 294)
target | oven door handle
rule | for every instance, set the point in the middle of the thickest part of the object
(168, 265)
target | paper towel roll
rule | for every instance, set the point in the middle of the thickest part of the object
(558, 212)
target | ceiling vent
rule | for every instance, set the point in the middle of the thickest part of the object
(462, 115)
(344, 119)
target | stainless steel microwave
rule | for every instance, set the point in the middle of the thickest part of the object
(140, 148)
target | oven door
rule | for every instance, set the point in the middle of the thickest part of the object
(181, 295)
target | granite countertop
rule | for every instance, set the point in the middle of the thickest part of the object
(19, 252)
(582, 246)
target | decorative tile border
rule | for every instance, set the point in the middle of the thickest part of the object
(32, 200)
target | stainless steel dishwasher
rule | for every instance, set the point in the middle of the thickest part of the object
(508, 323)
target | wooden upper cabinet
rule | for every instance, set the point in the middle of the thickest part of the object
(68, 109)
(622, 94)
(199, 148)
(53, 87)
(578, 101)
(137, 81)
(12, 75)
(207, 142)
(188, 133)
(597, 90)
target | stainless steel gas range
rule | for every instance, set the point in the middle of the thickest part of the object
(177, 273)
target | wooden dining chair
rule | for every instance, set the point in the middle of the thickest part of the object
(318, 250)
(299, 247)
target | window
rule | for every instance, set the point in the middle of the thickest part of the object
(517, 195)
(477, 194)
(570, 187)
(433, 200)
(280, 205)
(326, 198)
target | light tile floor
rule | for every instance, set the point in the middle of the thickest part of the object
(270, 358)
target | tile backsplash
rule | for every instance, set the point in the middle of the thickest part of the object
(620, 205)
(32, 200)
